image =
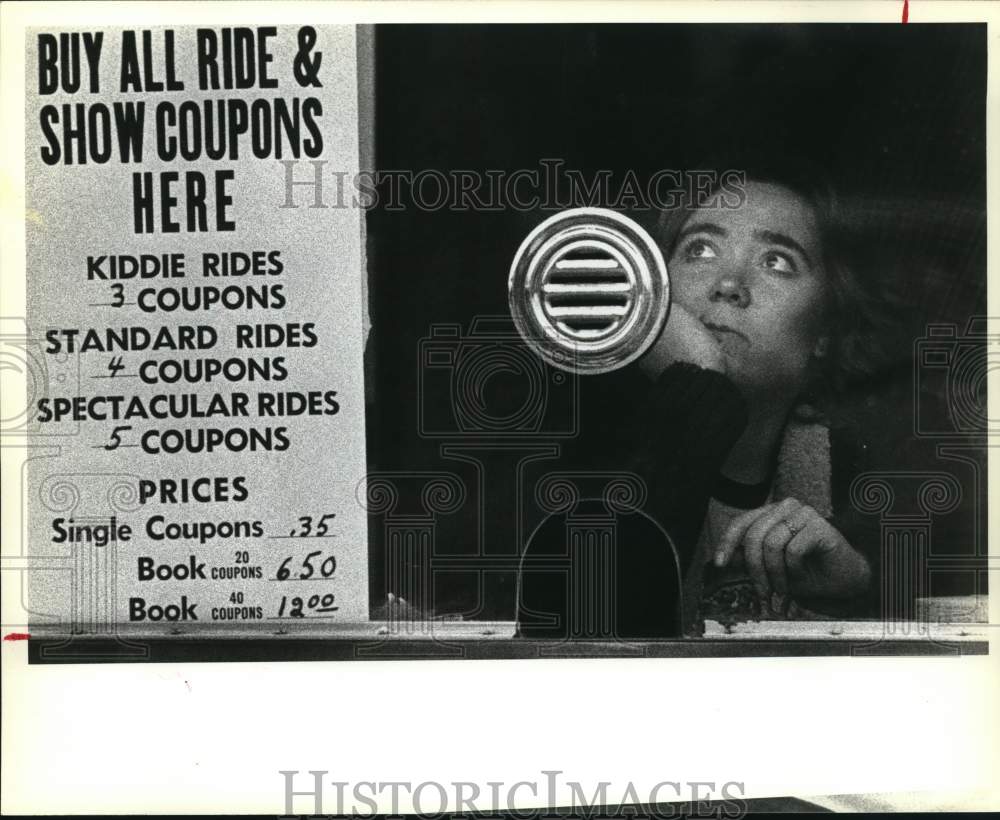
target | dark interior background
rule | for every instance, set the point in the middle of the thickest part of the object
(895, 113)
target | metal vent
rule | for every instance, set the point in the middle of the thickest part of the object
(588, 290)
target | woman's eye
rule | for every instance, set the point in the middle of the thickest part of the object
(699, 250)
(780, 262)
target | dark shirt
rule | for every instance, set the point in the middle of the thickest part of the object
(675, 438)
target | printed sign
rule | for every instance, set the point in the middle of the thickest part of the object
(203, 435)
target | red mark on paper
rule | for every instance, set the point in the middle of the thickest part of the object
(906, 10)
(16, 636)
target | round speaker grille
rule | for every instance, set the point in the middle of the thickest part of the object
(589, 290)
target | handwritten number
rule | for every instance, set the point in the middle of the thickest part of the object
(306, 563)
(116, 439)
(307, 524)
(283, 571)
(315, 604)
(327, 567)
(322, 528)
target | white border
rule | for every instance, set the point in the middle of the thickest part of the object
(212, 737)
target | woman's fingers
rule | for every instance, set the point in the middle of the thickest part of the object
(747, 531)
(821, 562)
(790, 548)
(774, 556)
(802, 545)
(764, 535)
(739, 526)
(733, 536)
(778, 541)
(754, 549)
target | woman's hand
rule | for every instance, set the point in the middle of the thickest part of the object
(789, 549)
(683, 339)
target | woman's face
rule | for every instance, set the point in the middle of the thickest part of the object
(754, 277)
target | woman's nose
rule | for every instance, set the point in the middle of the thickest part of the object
(731, 289)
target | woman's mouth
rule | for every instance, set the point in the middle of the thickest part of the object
(721, 331)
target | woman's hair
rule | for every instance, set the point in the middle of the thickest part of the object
(862, 318)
